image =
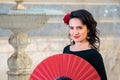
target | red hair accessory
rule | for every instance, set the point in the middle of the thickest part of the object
(66, 18)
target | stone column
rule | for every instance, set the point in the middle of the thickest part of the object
(19, 63)
(19, 5)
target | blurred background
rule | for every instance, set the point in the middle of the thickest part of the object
(53, 36)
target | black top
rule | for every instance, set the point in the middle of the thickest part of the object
(63, 78)
(93, 57)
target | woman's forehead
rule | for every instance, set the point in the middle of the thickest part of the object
(83, 26)
(75, 21)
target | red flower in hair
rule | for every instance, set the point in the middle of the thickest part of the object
(66, 18)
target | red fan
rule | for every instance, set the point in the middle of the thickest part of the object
(67, 65)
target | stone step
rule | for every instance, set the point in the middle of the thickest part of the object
(61, 30)
(108, 18)
(110, 10)
(53, 46)
(66, 1)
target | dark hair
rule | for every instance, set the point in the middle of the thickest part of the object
(63, 78)
(88, 20)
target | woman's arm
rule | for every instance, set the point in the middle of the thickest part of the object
(97, 62)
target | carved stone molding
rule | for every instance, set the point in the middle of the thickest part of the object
(19, 5)
(19, 63)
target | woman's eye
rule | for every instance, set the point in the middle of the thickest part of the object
(79, 27)
(71, 27)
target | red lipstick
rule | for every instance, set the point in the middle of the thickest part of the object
(76, 37)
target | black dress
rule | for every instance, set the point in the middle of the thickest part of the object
(93, 57)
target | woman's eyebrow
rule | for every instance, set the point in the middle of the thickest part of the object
(70, 26)
(78, 26)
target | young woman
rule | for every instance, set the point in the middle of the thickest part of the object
(84, 39)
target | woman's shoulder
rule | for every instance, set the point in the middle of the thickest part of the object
(94, 50)
(66, 49)
(96, 54)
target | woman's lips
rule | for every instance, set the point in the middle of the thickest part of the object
(76, 37)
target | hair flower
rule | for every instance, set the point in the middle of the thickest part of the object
(66, 18)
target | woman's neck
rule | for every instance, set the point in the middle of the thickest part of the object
(78, 46)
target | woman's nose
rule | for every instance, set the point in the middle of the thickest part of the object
(76, 31)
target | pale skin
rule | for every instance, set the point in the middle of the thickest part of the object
(78, 32)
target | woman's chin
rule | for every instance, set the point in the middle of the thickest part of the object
(76, 40)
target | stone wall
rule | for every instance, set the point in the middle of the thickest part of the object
(40, 48)
(53, 36)
(92, 1)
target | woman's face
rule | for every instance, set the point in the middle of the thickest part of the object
(78, 31)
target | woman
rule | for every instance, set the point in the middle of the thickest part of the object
(84, 39)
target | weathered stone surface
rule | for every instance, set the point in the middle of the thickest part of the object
(76, 1)
(103, 10)
(107, 16)
(110, 51)
(53, 37)
(19, 63)
(46, 47)
(61, 30)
